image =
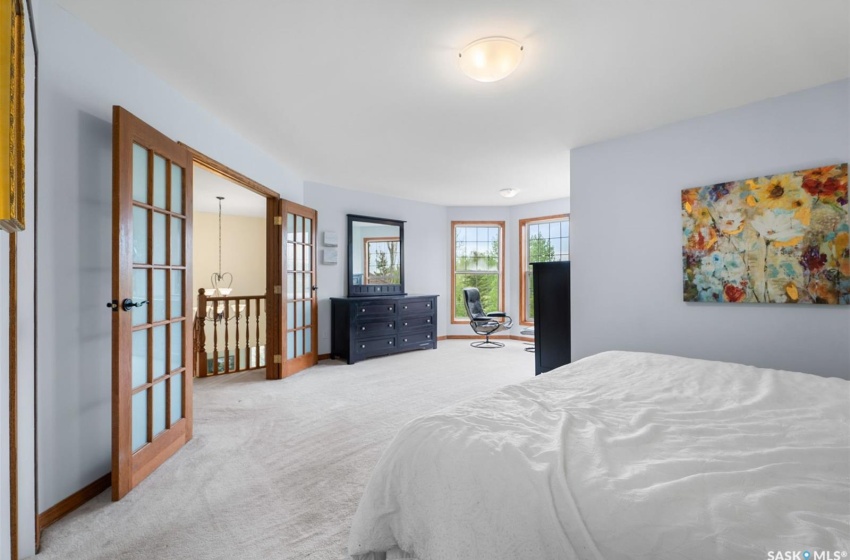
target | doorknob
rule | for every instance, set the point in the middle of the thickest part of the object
(126, 305)
(129, 304)
(314, 288)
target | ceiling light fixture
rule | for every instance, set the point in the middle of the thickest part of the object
(509, 193)
(219, 278)
(490, 59)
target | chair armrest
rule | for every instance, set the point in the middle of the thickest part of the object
(497, 314)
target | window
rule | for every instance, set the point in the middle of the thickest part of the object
(540, 240)
(477, 262)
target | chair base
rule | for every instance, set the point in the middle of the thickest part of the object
(486, 344)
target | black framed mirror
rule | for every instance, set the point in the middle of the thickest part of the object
(375, 256)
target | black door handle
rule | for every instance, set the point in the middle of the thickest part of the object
(129, 304)
(314, 288)
(126, 305)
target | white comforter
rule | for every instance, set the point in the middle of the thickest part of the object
(620, 456)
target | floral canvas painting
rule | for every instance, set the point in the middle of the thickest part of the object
(776, 239)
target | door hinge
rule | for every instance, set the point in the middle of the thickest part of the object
(278, 358)
(278, 220)
(278, 289)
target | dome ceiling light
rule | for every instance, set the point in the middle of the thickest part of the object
(490, 59)
(509, 193)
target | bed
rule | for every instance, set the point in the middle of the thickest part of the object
(620, 456)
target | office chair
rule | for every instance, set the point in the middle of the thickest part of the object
(484, 323)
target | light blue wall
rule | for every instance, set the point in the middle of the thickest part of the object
(626, 236)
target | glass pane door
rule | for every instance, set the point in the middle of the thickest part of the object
(299, 275)
(300, 311)
(151, 280)
(159, 275)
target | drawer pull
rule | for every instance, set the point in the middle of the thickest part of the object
(363, 310)
(405, 324)
(405, 307)
(429, 320)
(428, 305)
(405, 340)
(362, 328)
(390, 325)
(362, 346)
(429, 336)
(390, 342)
(390, 308)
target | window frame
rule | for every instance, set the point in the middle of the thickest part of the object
(477, 223)
(366, 254)
(523, 257)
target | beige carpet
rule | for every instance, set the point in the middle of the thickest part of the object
(276, 468)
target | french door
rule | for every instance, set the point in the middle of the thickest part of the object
(300, 344)
(151, 287)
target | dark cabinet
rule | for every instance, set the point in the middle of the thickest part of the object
(364, 327)
(551, 315)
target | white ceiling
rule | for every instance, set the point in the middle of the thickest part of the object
(238, 201)
(367, 95)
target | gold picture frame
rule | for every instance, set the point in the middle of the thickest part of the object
(12, 172)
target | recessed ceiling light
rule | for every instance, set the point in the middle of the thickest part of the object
(490, 59)
(509, 193)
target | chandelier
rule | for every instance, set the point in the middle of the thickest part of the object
(221, 281)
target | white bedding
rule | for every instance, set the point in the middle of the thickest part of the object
(620, 456)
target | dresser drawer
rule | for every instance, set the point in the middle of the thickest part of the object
(373, 328)
(416, 323)
(423, 339)
(375, 345)
(373, 308)
(417, 307)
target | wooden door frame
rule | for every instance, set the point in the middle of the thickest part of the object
(274, 258)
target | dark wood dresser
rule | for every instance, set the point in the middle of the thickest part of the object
(551, 315)
(364, 327)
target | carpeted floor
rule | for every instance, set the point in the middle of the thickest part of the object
(276, 468)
